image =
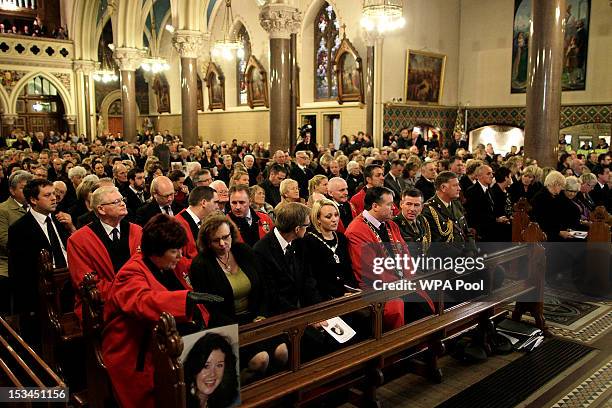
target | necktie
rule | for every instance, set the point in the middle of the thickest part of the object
(115, 234)
(56, 248)
(141, 197)
(167, 209)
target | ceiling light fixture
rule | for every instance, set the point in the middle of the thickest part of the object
(228, 46)
(382, 15)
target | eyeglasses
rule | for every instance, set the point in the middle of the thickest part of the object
(116, 202)
(166, 195)
(223, 238)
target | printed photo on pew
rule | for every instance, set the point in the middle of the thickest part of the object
(338, 329)
(211, 364)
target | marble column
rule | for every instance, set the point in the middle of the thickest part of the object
(128, 59)
(544, 81)
(85, 68)
(294, 93)
(188, 44)
(370, 40)
(280, 21)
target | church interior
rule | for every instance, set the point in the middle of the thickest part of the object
(217, 203)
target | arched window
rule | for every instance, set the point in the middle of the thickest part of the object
(241, 62)
(326, 43)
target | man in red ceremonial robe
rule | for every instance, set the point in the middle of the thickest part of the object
(374, 177)
(143, 289)
(367, 234)
(203, 201)
(104, 245)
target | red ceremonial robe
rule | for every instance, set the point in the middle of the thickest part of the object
(341, 226)
(87, 253)
(359, 205)
(190, 250)
(363, 248)
(135, 302)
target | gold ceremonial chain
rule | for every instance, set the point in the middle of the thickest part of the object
(449, 225)
(331, 248)
(395, 251)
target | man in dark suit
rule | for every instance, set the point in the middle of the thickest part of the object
(38, 229)
(272, 184)
(307, 144)
(282, 255)
(394, 180)
(300, 172)
(601, 191)
(426, 182)
(479, 205)
(162, 193)
(136, 195)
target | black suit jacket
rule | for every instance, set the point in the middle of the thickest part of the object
(427, 188)
(289, 288)
(151, 209)
(133, 203)
(26, 240)
(272, 193)
(480, 212)
(601, 196)
(302, 177)
(193, 227)
(207, 276)
(397, 186)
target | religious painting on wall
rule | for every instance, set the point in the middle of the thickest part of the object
(257, 83)
(349, 73)
(424, 80)
(575, 45)
(215, 81)
(162, 93)
(200, 94)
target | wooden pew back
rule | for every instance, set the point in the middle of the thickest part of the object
(99, 388)
(59, 322)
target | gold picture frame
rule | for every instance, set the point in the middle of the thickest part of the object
(257, 83)
(349, 73)
(424, 80)
(215, 81)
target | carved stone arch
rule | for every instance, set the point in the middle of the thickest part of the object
(209, 24)
(84, 17)
(128, 33)
(65, 94)
(5, 107)
(106, 103)
(99, 30)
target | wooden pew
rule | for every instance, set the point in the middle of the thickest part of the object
(62, 336)
(597, 273)
(99, 388)
(520, 219)
(360, 363)
(20, 366)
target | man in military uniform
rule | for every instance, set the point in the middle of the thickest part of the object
(446, 215)
(413, 226)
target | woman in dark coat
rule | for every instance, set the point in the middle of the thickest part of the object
(228, 268)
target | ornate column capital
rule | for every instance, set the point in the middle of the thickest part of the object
(128, 59)
(189, 44)
(85, 66)
(280, 20)
(70, 119)
(9, 118)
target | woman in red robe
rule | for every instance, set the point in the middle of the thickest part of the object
(146, 286)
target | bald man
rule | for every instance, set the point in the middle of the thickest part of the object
(162, 193)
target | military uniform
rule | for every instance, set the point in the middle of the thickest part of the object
(417, 233)
(448, 224)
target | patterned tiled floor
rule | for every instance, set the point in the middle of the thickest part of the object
(590, 390)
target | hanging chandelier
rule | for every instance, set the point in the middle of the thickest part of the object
(228, 45)
(106, 72)
(382, 15)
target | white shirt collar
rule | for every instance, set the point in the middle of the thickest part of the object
(484, 188)
(196, 219)
(109, 230)
(601, 185)
(282, 241)
(40, 218)
(371, 219)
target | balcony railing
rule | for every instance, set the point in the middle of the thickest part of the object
(20, 48)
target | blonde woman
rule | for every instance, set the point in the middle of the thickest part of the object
(328, 251)
(318, 184)
(527, 186)
(290, 191)
(239, 178)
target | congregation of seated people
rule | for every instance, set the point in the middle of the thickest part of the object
(236, 233)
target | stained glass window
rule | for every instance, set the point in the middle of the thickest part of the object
(241, 63)
(326, 43)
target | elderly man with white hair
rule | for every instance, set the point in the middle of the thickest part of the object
(192, 169)
(252, 169)
(104, 245)
(223, 193)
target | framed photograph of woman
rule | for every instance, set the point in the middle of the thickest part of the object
(424, 77)
(215, 81)
(349, 73)
(211, 367)
(257, 83)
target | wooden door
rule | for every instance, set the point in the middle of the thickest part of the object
(115, 124)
